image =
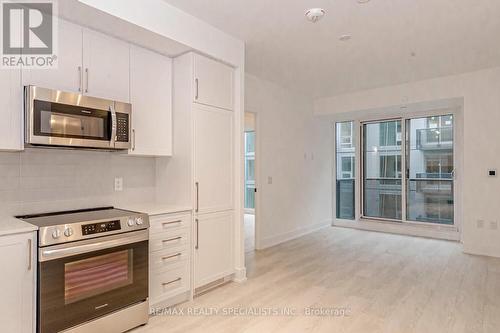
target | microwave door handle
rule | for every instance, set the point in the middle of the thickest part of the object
(113, 126)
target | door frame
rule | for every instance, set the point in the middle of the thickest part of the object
(452, 106)
(257, 210)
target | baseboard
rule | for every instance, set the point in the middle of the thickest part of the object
(488, 251)
(240, 275)
(278, 239)
(399, 229)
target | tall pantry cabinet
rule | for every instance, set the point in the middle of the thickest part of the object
(204, 108)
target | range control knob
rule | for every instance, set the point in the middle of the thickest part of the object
(68, 232)
(139, 220)
(56, 233)
(131, 222)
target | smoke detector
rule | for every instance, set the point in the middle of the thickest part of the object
(315, 14)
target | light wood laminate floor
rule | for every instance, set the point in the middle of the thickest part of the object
(388, 283)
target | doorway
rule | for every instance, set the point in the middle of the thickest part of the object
(250, 186)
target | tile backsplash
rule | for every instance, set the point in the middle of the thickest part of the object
(43, 180)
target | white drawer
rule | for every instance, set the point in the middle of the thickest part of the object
(162, 223)
(169, 240)
(164, 260)
(168, 284)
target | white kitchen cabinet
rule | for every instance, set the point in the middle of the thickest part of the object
(11, 110)
(89, 62)
(170, 259)
(213, 159)
(106, 62)
(213, 83)
(213, 257)
(151, 98)
(17, 283)
(68, 74)
(204, 145)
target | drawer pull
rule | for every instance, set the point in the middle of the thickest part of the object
(172, 222)
(172, 256)
(172, 239)
(170, 282)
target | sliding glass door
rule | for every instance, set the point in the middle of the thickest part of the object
(408, 169)
(382, 170)
(429, 160)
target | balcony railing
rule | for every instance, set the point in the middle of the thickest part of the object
(435, 138)
(345, 199)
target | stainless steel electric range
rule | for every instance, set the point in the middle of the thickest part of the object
(92, 270)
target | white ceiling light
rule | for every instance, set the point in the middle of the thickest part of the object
(363, 1)
(315, 14)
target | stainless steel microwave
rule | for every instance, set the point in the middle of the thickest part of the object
(63, 119)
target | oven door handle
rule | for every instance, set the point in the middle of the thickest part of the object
(91, 245)
(113, 126)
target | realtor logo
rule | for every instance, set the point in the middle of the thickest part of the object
(28, 34)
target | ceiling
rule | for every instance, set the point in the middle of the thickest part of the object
(77, 12)
(393, 41)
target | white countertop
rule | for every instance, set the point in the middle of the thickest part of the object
(155, 208)
(10, 225)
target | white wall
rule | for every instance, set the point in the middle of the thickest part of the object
(45, 180)
(481, 136)
(295, 149)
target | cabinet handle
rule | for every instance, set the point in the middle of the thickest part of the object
(196, 88)
(197, 197)
(172, 256)
(133, 139)
(80, 78)
(87, 80)
(197, 246)
(172, 222)
(171, 239)
(170, 282)
(30, 254)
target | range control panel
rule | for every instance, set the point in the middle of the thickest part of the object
(95, 228)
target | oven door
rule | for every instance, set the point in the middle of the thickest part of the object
(87, 279)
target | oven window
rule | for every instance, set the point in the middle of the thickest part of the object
(96, 275)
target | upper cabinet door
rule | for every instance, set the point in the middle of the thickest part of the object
(11, 110)
(213, 155)
(213, 83)
(67, 76)
(106, 62)
(151, 98)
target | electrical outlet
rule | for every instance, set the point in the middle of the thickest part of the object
(480, 224)
(269, 180)
(493, 225)
(118, 184)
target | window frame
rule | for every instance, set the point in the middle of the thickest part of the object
(452, 107)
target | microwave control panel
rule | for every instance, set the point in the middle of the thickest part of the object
(96, 228)
(122, 128)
